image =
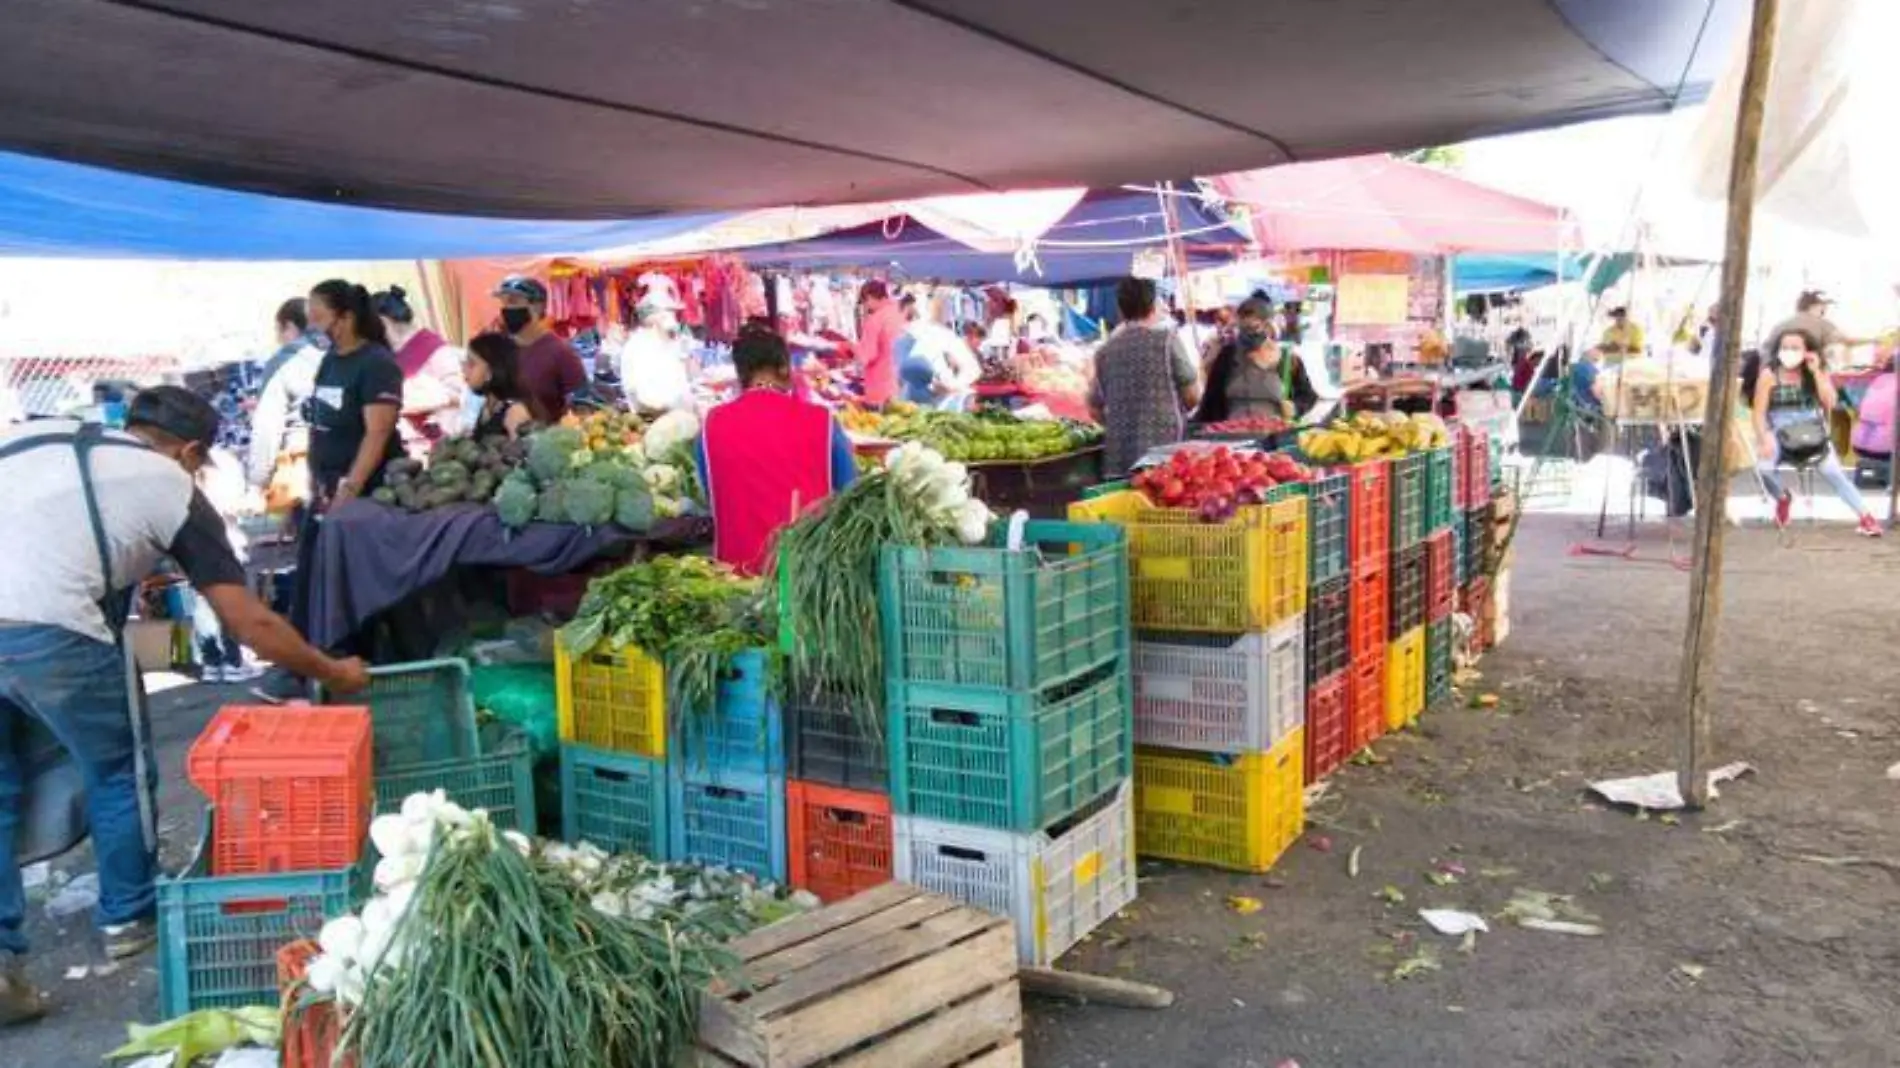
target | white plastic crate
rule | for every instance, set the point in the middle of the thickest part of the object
(1221, 695)
(1056, 884)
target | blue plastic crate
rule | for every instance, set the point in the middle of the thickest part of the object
(736, 822)
(745, 735)
(1458, 575)
(618, 801)
(500, 780)
(1328, 517)
(1016, 762)
(420, 712)
(218, 936)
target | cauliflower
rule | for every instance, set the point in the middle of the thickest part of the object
(673, 428)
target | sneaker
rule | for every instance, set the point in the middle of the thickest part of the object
(211, 675)
(19, 1002)
(1784, 508)
(129, 939)
(242, 672)
(1869, 527)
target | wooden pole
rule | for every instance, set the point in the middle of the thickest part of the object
(1177, 251)
(1705, 584)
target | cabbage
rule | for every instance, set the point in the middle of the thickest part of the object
(550, 452)
(673, 428)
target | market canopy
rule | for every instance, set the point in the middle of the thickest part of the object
(1494, 272)
(1378, 202)
(557, 109)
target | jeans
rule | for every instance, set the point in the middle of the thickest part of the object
(76, 687)
(1829, 465)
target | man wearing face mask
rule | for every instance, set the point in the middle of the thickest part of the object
(653, 362)
(90, 513)
(550, 368)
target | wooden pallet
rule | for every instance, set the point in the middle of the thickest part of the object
(892, 978)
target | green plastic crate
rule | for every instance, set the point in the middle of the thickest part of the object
(617, 801)
(1441, 494)
(1328, 511)
(1013, 761)
(218, 936)
(500, 780)
(1438, 662)
(421, 712)
(1408, 501)
(993, 619)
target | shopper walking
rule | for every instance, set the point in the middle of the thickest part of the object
(1144, 380)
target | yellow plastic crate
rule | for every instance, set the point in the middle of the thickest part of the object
(1243, 575)
(1237, 812)
(612, 700)
(1405, 679)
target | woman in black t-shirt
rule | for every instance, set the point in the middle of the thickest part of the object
(358, 394)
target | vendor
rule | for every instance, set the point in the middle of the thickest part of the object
(90, 513)
(550, 368)
(432, 386)
(1622, 338)
(653, 362)
(357, 397)
(882, 322)
(935, 368)
(1254, 377)
(766, 456)
(492, 367)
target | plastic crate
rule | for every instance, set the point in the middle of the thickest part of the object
(1441, 584)
(1407, 593)
(1058, 884)
(827, 742)
(1369, 524)
(612, 700)
(500, 781)
(1328, 726)
(737, 822)
(1457, 555)
(1328, 523)
(1220, 695)
(1328, 626)
(420, 712)
(1245, 574)
(1011, 761)
(218, 936)
(291, 785)
(1475, 601)
(1475, 471)
(1235, 812)
(1480, 537)
(1408, 501)
(1438, 637)
(1441, 495)
(1043, 488)
(311, 1027)
(990, 618)
(1368, 611)
(745, 735)
(839, 841)
(1405, 679)
(1366, 700)
(618, 801)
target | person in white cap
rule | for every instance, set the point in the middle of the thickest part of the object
(653, 362)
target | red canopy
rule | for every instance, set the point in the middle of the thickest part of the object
(1377, 202)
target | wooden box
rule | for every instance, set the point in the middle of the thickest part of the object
(892, 978)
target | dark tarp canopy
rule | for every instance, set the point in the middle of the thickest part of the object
(587, 109)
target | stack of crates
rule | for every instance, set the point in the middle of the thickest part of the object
(1009, 726)
(613, 729)
(1368, 602)
(1405, 628)
(291, 794)
(1441, 586)
(1329, 556)
(838, 819)
(1219, 672)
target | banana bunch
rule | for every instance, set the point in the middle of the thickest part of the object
(1374, 436)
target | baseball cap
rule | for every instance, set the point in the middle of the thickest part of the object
(520, 285)
(1812, 297)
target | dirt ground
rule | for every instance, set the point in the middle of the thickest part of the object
(1724, 941)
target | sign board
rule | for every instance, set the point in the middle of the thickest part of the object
(1372, 299)
(1150, 263)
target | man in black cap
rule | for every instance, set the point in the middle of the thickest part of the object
(1810, 317)
(89, 513)
(550, 368)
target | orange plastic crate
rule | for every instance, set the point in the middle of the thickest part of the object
(840, 840)
(1366, 705)
(293, 787)
(310, 1032)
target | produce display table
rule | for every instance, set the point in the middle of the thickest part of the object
(370, 557)
(1043, 488)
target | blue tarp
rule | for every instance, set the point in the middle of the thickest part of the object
(1097, 240)
(1496, 273)
(49, 208)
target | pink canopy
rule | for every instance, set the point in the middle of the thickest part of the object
(1377, 202)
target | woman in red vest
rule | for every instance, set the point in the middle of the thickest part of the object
(766, 456)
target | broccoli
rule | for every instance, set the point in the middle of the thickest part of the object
(549, 452)
(588, 503)
(552, 507)
(633, 508)
(516, 502)
(449, 473)
(482, 485)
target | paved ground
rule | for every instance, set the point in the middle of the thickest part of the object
(1724, 944)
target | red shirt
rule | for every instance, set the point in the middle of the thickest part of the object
(880, 332)
(767, 457)
(550, 370)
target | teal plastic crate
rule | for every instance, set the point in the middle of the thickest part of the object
(617, 801)
(990, 618)
(1441, 490)
(1458, 574)
(1016, 762)
(1408, 501)
(218, 936)
(500, 780)
(1438, 662)
(421, 712)
(746, 733)
(1328, 518)
(737, 822)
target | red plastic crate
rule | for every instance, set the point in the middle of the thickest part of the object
(1365, 703)
(1475, 601)
(1328, 726)
(1440, 583)
(1369, 527)
(1473, 480)
(839, 840)
(1368, 612)
(293, 787)
(310, 1032)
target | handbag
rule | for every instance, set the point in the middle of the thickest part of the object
(1802, 443)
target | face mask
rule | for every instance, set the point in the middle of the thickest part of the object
(1252, 337)
(516, 319)
(1790, 358)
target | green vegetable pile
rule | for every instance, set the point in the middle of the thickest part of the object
(459, 470)
(990, 436)
(574, 474)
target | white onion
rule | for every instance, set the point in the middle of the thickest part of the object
(341, 937)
